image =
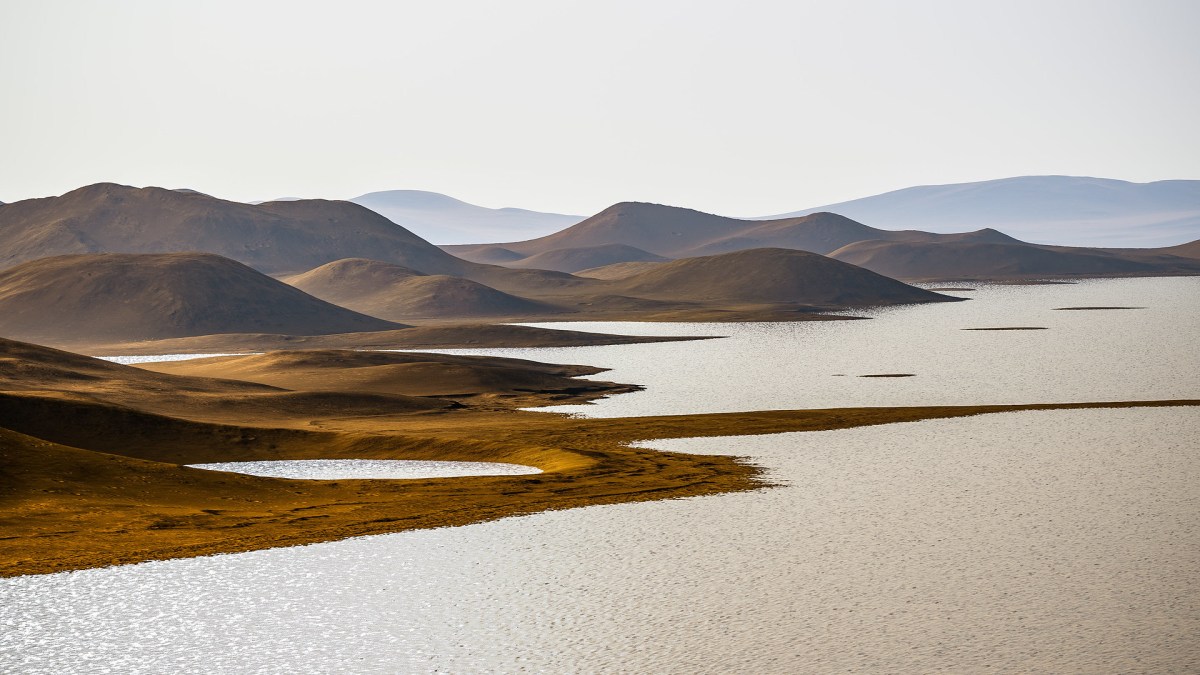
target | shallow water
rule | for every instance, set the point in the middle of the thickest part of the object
(1142, 354)
(1064, 541)
(155, 358)
(339, 469)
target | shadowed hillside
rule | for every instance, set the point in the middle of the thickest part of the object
(576, 259)
(114, 296)
(398, 293)
(772, 275)
(409, 373)
(970, 260)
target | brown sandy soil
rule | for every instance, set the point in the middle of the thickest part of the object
(478, 380)
(71, 508)
(433, 336)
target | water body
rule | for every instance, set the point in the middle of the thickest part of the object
(1064, 541)
(1056, 541)
(1141, 354)
(339, 469)
(134, 360)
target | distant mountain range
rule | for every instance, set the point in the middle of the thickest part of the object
(148, 269)
(627, 238)
(638, 232)
(440, 219)
(1063, 210)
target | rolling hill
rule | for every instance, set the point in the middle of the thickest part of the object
(985, 260)
(1066, 210)
(275, 237)
(575, 259)
(673, 232)
(771, 275)
(393, 292)
(96, 297)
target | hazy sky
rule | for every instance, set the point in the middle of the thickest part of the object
(739, 108)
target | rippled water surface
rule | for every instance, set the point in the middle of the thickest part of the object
(1103, 355)
(1064, 541)
(337, 469)
(1055, 541)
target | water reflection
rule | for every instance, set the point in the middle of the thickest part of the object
(1148, 354)
(339, 469)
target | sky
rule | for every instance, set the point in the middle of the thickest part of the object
(739, 108)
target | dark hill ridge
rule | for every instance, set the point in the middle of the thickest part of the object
(986, 260)
(398, 293)
(771, 275)
(111, 296)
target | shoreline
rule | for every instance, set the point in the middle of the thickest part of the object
(143, 509)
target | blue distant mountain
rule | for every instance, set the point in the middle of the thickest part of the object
(1066, 210)
(441, 219)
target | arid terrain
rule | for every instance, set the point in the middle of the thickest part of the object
(92, 451)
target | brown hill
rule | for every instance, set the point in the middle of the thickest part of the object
(274, 237)
(398, 293)
(1188, 250)
(971, 260)
(110, 297)
(409, 373)
(34, 378)
(772, 275)
(678, 233)
(281, 237)
(575, 259)
(617, 270)
(490, 255)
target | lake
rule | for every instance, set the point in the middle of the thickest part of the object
(1053, 541)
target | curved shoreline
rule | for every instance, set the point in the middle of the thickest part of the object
(76, 509)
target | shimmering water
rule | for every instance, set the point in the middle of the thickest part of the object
(1058, 541)
(1064, 541)
(1144, 354)
(338, 469)
(133, 360)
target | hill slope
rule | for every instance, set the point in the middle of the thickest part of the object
(771, 275)
(274, 237)
(575, 259)
(93, 297)
(398, 293)
(1068, 210)
(445, 220)
(679, 233)
(985, 260)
